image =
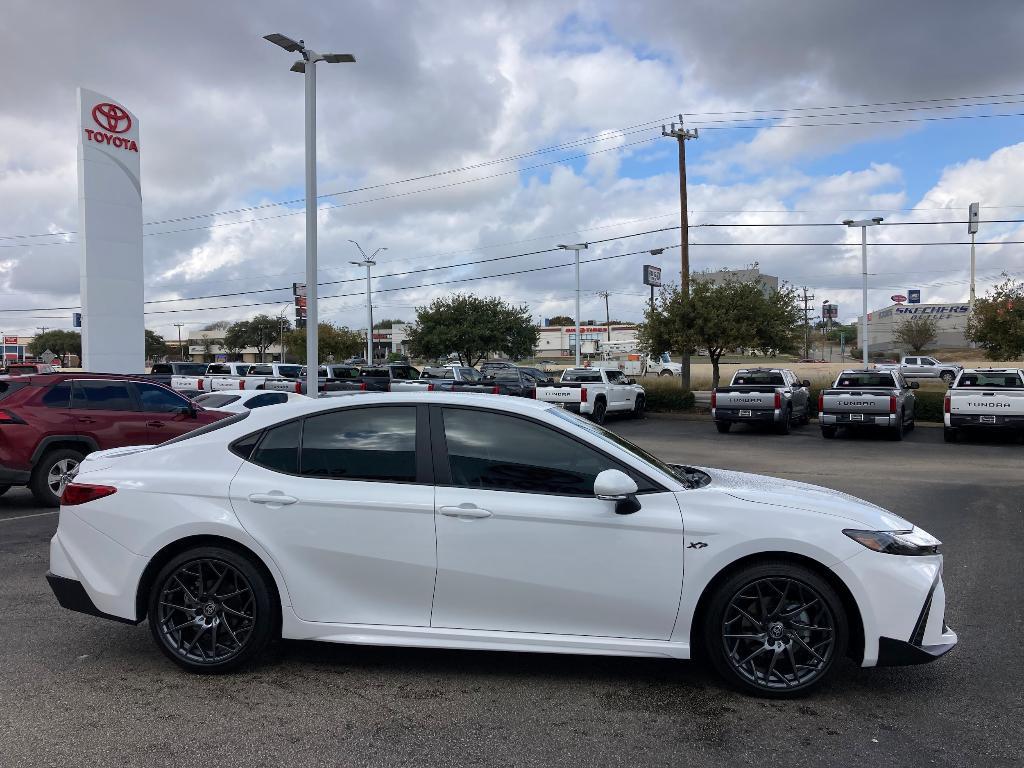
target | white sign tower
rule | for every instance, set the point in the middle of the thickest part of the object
(110, 233)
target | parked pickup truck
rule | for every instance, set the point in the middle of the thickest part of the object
(762, 396)
(444, 377)
(399, 377)
(984, 398)
(162, 373)
(868, 398)
(921, 367)
(595, 392)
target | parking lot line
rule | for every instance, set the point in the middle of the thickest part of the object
(22, 517)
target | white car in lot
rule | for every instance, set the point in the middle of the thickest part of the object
(241, 400)
(456, 521)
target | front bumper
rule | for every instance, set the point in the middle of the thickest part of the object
(866, 420)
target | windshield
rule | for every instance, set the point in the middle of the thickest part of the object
(865, 381)
(993, 380)
(620, 442)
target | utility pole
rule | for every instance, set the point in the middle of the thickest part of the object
(681, 134)
(607, 315)
(807, 299)
(972, 230)
(280, 335)
(178, 326)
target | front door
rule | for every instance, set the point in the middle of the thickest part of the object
(524, 546)
(105, 411)
(346, 510)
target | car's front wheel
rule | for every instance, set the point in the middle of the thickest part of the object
(638, 407)
(211, 610)
(775, 629)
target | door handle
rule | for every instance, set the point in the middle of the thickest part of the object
(272, 498)
(83, 420)
(466, 512)
(154, 423)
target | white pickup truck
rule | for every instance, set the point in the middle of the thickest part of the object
(595, 392)
(984, 398)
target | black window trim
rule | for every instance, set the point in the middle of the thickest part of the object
(424, 465)
(442, 470)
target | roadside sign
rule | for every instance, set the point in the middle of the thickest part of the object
(914, 296)
(47, 357)
(898, 298)
(76, 319)
(11, 340)
(652, 275)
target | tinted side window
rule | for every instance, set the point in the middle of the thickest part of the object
(279, 448)
(361, 444)
(503, 453)
(58, 396)
(261, 370)
(161, 368)
(102, 396)
(159, 400)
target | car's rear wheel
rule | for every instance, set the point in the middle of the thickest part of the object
(775, 629)
(950, 435)
(829, 432)
(896, 433)
(783, 427)
(52, 473)
(723, 426)
(211, 610)
(600, 409)
(948, 376)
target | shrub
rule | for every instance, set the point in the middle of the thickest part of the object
(667, 396)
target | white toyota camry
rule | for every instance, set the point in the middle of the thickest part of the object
(465, 521)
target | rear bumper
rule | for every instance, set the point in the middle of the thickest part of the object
(869, 420)
(72, 595)
(736, 414)
(975, 420)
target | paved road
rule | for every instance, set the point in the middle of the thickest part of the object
(76, 690)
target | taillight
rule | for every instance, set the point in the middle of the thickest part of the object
(362, 386)
(892, 403)
(821, 402)
(430, 387)
(298, 387)
(778, 400)
(81, 493)
(583, 394)
(199, 384)
(495, 390)
(533, 393)
(6, 417)
(714, 399)
(946, 404)
(241, 383)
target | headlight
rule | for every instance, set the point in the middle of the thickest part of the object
(912, 542)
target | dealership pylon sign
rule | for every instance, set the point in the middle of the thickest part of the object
(110, 235)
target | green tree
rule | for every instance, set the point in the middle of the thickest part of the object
(720, 317)
(560, 320)
(386, 324)
(917, 332)
(997, 322)
(261, 332)
(472, 327)
(59, 342)
(156, 345)
(333, 341)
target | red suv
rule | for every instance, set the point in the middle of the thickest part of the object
(49, 422)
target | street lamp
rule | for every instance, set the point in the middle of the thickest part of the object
(367, 262)
(864, 224)
(577, 248)
(307, 66)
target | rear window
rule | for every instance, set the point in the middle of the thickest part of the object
(404, 372)
(216, 401)
(743, 379)
(187, 369)
(865, 381)
(219, 369)
(1008, 380)
(10, 387)
(586, 377)
(374, 373)
(290, 371)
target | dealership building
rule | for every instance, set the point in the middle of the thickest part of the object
(951, 320)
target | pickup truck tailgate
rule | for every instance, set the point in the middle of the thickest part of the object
(836, 401)
(570, 395)
(758, 399)
(987, 403)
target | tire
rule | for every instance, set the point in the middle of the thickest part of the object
(665, 373)
(950, 435)
(778, 654)
(829, 432)
(896, 433)
(51, 473)
(189, 628)
(4, 489)
(948, 377)
(723, 426)
(783, 427)
(638, 407)
(600, 409)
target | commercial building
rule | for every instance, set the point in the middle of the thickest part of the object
(951, 320)
(560, 340)
(768, 283)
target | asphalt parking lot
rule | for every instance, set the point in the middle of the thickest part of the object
(75, 690)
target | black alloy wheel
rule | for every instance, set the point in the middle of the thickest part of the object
(210, 610)
(599, 412)
(776, 630)
(638, 407)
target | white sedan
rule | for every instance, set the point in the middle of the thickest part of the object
(458, 521)
(238, 401)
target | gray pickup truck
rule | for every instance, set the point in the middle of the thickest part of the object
(762, 396)
(868, 398)
(923, 367)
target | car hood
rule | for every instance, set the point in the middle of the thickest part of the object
(776, 492)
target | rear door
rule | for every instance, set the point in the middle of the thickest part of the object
(106, 411)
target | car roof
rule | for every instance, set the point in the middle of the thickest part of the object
(49, 378)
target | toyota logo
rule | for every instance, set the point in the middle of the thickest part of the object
(111, 117)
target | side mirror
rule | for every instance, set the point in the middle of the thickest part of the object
(805, 383)
(187, 410)
(615, 485)
(914, 384)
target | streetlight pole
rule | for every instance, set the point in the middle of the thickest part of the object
(972, 230)
(178, 326)
(367, 262)
(576, 249)
(864, 224)
(307, 66)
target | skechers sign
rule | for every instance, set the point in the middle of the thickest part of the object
(934, 309)
(112, 119)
